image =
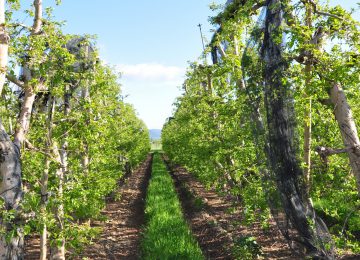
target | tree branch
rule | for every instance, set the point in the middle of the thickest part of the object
(16, 81)
(327, 151)
(24, 26)
(316, 11)
(30, 147)
(258, 5)
(232, 8)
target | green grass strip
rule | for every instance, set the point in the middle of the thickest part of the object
(167, 236)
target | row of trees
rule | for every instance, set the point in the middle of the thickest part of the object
(66, 134)
(271, 120)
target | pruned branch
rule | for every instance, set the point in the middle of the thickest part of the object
(325, 101)
(325, 152)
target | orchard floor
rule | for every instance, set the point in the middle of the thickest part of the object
(216, 227)
(213, 225)
(120, 238)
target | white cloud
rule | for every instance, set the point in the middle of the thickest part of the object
(151, 88)
(151, 71)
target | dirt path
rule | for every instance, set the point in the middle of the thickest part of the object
(120, 238)
(215, 228)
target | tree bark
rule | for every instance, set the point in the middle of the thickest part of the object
(346, 122)
(11, 194)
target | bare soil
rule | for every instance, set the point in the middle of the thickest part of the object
(122, 229)
(215, 227)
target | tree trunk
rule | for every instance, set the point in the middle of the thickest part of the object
(44, 199)
(58, 248)
(307, 118)
(281, 124)
(38, 17)
(85, 160)
(45, 177)
(11, 194)
(10, 168)
(4, 45)
(307, 149)
(25, 116)
(346, 122)
(58, 251)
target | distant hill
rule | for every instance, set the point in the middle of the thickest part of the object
(155, 134)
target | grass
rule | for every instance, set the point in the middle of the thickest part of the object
(156, 145)
(167, 236)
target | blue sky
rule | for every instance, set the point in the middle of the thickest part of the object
(150, 42)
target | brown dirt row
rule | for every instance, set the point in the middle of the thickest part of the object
(215, 227)
(122, 229)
